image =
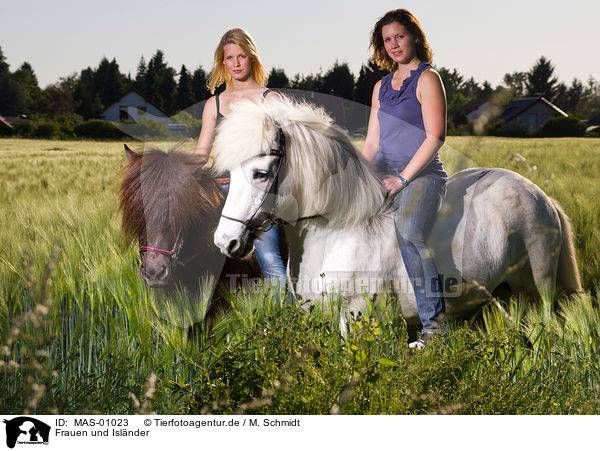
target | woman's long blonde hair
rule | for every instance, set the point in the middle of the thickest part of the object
(219, 74)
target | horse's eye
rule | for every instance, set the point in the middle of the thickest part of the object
(260, 175)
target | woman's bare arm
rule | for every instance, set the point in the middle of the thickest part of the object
(209, 125)
(371, 145)
(430, 92)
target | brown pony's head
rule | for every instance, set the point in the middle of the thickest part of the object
(170, 206)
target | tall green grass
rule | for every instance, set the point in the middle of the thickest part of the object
(80, 332)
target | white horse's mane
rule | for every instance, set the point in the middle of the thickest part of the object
(329, 175)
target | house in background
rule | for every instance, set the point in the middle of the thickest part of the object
(133, 106)
(475, 109)
(593, 123)
(529, 113)
(5, 126)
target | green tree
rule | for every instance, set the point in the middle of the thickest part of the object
(589, 103)
(471, 89)
(568, 98)
(26, 77)
(140, 78)
(167, 91)
(452, 81)
(13, 99)
(109, 83)
(58, 98)
(278, 79)
(199, 85)
(152, 80)
(96, 89)
(516, 83)
(339, 81)
(308, 83)
(458, 92)
(159, 82)
(574, 95)
(185, 94)
(560, 96)
(87, 100)
(4, 67)
(540, 80)
(368, 76)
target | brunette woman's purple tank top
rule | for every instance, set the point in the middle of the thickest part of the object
(401, 129)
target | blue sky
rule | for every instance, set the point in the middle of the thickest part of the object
(479, 38)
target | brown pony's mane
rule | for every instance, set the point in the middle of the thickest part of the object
(168, 188)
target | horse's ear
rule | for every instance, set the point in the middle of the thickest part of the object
(129, 153)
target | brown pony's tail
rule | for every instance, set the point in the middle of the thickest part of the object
(567, 275)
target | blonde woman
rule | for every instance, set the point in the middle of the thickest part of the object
(237, 64)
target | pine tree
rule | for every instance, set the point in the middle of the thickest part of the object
(185, 94)
(153, 78)
(516, 83)
(368, 76)
(540, 80)
(140, 78)
(278, 79)
(458, 92)
(29, 83)
(13, 100)
(4, 71)
(574, 95)
(589, 103)
(199, 85)
(59, 98)
(108, 82)
(167, 90)
(339, 81)
(84, 95)
(310, 82)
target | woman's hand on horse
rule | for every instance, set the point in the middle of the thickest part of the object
(393, 185)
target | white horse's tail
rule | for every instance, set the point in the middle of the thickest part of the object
(567, 274)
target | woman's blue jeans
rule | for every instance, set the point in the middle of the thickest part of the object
(269, 256)
(415, 211)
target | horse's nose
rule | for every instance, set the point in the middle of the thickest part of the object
(160, 272)
(225, 244)
(233, 247)
(231, 244)
(155, 272)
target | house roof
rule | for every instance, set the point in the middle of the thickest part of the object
(142, 96)
(4, 122)
(473, 105)
(518, 106)
(594, 121)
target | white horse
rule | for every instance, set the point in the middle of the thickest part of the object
(289, 162)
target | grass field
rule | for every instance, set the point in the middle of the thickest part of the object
(80, 333)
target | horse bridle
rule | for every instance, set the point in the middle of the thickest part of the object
(253, 225)
(173, 253)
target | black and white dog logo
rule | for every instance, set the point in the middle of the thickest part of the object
(26, 430)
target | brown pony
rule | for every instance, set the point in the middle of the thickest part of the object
(171, 206)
